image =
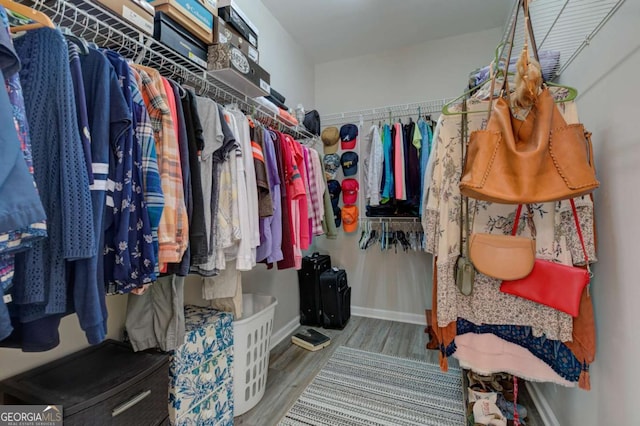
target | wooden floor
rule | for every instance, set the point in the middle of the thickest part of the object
(292, 368)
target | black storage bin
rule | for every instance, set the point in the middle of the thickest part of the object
(176, 37)
(233, 18)
(107, 384)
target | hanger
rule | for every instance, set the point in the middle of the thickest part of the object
(83, 47)
(427, 118)
(492, 68)
(573, 93)
(40, 19)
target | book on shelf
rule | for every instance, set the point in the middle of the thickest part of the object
(311, 340)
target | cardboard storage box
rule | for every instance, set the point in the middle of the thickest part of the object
(228, 64)
(169, 32)
(224, 34)
(211, 4)
(229, 11)
(194, 16)
(137, 12)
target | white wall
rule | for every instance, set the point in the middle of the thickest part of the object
(72, 339)
(606, 76)
(383, 284)
(398, 283)
(428, 71)
(292, 74)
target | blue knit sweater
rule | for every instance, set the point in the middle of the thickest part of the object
(60, 173)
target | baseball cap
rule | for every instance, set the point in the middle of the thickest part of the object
(349, 161)
(350, 189)
(331, 165)
(350, 218)
(337, 216)
(334, 189)
(330, 137)
(348, 136)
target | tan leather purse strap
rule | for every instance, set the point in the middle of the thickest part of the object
(505, 85)
(504, 90)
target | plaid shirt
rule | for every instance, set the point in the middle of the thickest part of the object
(173, 230)
(151, 183)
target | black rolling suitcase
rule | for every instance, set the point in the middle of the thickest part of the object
(336, 298)
(309, 285)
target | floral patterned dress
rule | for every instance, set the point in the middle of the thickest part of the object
(556, 236)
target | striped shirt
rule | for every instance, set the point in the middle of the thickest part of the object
(173, 229)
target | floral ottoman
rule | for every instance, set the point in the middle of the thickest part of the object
(200, 372)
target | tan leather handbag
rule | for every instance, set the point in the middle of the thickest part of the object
(501, 256)
(535, 160)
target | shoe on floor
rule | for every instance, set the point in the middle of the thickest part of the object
(487, 413)
(507, 408)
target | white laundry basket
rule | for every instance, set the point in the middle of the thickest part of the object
(251, 336)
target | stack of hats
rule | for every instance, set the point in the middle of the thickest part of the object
(347, 136)
(350, 186)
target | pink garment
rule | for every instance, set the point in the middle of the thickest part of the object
(172, 104)
(398, 169)
(295, 217)
(303, 226)
(488, 354)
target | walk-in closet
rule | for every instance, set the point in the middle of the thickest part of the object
(289, 212)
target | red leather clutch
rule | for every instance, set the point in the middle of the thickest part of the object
(553, 284)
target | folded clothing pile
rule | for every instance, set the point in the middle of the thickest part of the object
(275, 103)
(549, 62)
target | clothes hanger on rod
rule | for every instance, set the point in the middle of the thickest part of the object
(493, 68)
(572, 93)
(83, 47)
(40, 20)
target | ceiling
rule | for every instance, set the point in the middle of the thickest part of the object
(336, 29)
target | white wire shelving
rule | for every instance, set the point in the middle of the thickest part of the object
(96, 24)
(564, 26)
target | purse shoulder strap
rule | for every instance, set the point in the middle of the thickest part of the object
(464, 201)
(530, 223)
(579, 229)
(516, 222)
(574, 212)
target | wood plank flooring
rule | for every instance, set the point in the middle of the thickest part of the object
(292, 368)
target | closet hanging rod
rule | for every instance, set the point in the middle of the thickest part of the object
(389, 219)
(424, 108)
(91, 22)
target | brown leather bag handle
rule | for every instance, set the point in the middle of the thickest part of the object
(504, 89)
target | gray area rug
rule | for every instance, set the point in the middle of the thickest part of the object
(358, 388)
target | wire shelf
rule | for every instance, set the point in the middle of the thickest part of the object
(96, 24)
(566, 26)
(382, 113)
